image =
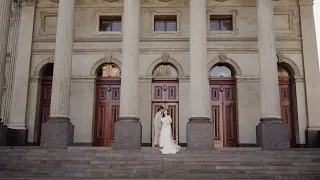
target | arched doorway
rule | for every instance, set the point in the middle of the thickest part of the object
(46, 74)
(165, 93)
(107, 104)
(287, 100)
(223, 106)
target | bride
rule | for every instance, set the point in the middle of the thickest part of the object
(166, 141)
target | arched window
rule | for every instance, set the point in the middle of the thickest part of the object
(109, 70)
(283, 72)
(221, 71)
(165, 70)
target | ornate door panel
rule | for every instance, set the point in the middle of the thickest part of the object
(107, 113)
(286, 106)
(166, 94)
(45, 102)
(223, 113)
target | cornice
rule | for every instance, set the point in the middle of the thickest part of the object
(305, 2)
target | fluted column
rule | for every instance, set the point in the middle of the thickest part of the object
(10, 71)
(128, 129)
(5, 6)
(271, 132)
(5, 12)
(199, 129)
(130, 59)
(56, 132)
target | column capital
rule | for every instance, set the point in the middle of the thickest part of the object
(22, 3)
(306, 2)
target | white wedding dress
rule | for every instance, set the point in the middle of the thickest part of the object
(166, 141)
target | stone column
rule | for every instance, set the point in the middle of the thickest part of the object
(57, 131)
(10, 65)
(127, 131)
(312, 76)
(271, 131)
(5, 11)
(199, 127)
(19, 97)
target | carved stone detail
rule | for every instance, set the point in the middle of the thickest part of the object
(165, 0)
(165, 57)
(19, 3)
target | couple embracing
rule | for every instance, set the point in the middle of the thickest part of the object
(162, 132)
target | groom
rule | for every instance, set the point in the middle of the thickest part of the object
(157, 126)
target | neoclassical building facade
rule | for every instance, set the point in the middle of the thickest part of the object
(231, 72)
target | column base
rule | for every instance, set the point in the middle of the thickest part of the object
(3, 134)
(127, 134)
(313, 138)
(272, 133)
(199, 134)
(17, 137)
(57, 133)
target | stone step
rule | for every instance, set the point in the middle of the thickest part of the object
(225, 163)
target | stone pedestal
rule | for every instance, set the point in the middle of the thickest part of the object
(200, 134)
(313, 138)
(57, 133)
(17, 137)
(272, 134)
(127, 134)
(3, 134)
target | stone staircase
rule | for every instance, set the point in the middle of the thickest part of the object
(93, 162)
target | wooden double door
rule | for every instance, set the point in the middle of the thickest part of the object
(223, 112)
(106, 111)
(287, 106)
(165, 93)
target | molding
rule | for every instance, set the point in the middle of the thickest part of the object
(165, 58)
(110, 1)
(292, 65)
(110, 12)
(159, 50)
(108, 58)
(153, 13)
(306, 2)
(174, 39)
(43, 16)
(290, 14)
(39, 67)
(223, 59)
(241, 79)
(233, 13)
